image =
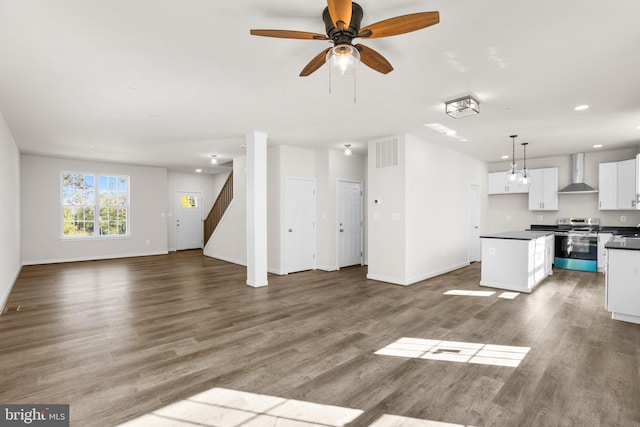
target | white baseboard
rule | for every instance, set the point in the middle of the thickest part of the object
(276, 271)
(436, 273)
(227, 259)
(172, 249)
(4, 298)
(411, 281)
(93, 258)
(257, 285)
(327, 268)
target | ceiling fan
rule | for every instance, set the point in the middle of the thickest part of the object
(342, 23)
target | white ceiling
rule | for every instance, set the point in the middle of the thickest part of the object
(168, 83)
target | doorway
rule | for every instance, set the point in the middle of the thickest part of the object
(188, 220)
(350, 223)
(475, 248)
(300, 224)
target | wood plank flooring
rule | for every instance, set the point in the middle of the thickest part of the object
(117, 339)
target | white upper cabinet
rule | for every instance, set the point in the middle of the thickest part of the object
(543, 190)
(627, 184)
(499, 184)
(619, 182)
(608, 183)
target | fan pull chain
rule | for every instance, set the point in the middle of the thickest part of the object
(355, 69)
(330, 78)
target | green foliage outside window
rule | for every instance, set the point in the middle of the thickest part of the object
(83, 196)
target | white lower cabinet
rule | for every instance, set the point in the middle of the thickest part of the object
(603, 238)
(623, 285)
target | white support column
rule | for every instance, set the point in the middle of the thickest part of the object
(257, 209)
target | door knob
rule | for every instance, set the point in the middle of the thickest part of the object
(291, 230)
(342, 230)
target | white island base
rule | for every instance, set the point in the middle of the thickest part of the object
(517, 261)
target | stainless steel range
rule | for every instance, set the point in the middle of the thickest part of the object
(576, 244)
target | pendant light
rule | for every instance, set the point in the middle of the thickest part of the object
(525, 179)
(347, 149)
(513, 175)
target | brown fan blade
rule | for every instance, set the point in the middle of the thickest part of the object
(315, 63)
(340, 11)
(373, 59)
(287, 34)
(400, 25)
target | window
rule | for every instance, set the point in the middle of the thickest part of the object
(94, 205)
(189, 202)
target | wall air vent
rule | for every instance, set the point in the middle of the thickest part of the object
(387, 153)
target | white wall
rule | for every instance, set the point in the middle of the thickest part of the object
(511, 211)
(10, 260)
(437, 199)
(387, 218)
(274, 205)
(42, 215)
(229, 240)
(209, 185)
(419, 228)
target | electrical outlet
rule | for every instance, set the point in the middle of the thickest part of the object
(508, 217)
(539, 217)
(147, 242)
(623, 218)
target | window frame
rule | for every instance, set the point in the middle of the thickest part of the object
(96, 206)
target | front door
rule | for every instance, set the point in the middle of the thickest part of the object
(301, 224)
(349, 223)
(188, 220)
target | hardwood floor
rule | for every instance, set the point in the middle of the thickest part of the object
(117, 339)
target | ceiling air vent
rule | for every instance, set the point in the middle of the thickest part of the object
(387, 153)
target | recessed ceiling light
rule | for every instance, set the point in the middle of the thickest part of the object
(504, 157)
(581, 107)
(198, 170)
(132, 87)
(93, 146)
(638, 127)
(597, 146)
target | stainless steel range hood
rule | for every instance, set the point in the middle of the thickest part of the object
(577, 185)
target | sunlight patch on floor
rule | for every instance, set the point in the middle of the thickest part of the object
(454, 351)
(398, 421)
(470, 293)
(508, 295)
(221, 407)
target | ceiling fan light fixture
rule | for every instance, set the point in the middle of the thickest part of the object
(462, 107)
(343, 58)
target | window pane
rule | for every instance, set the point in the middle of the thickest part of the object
(188, 201)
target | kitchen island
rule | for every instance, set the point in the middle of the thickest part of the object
(516, 260)
(622, 296)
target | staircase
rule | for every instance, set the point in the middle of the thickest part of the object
(219, 208)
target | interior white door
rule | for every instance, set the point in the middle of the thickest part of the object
(301, 224)
(349, 223)
(475, 249)
(188, 220)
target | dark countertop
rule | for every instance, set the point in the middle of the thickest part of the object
(621, 242)
(622, 231)
(518, 235)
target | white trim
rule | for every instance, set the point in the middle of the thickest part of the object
(172, 250)
(416, 279)
(5, 298)
(227, 259)
(276, 271)
(625, 317)
(436, 273)
(327, 268)
(257, 285)
(94, 258)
